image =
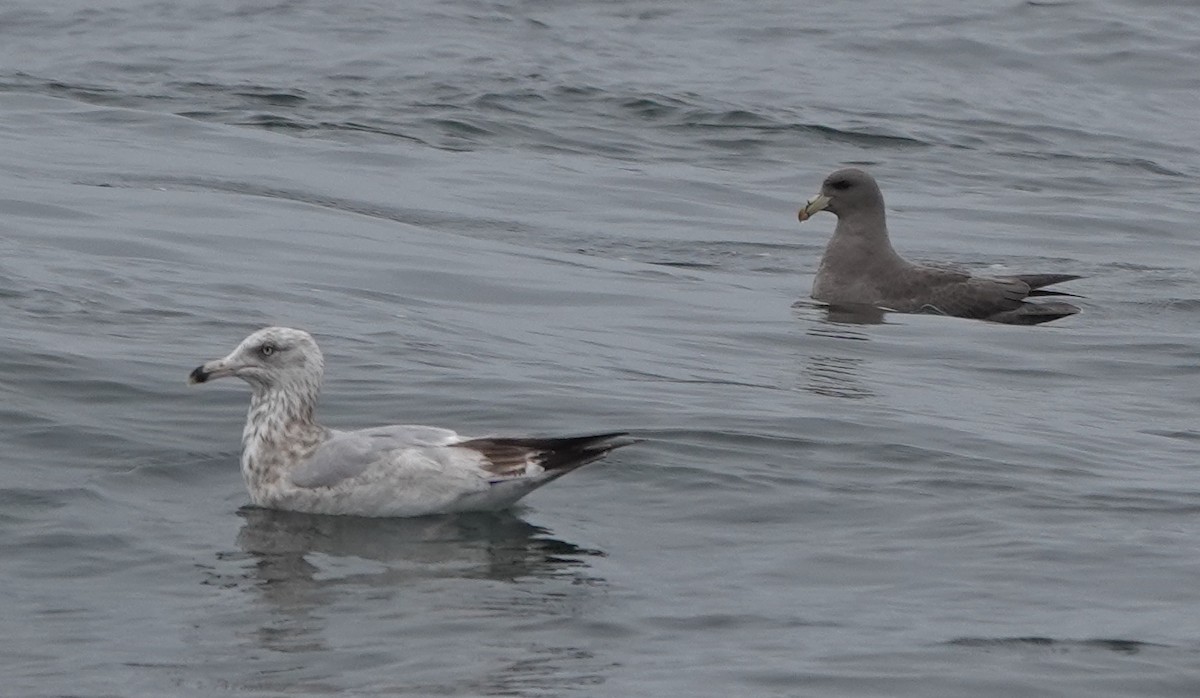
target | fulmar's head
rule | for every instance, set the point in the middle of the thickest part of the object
(271, 358)
(846, 193)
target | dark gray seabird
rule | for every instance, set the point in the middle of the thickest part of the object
(860, 268)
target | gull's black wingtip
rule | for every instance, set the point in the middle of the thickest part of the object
(198, 375)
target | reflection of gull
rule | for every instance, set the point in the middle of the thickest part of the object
(303, 563)
(291, 462)
(498, 546)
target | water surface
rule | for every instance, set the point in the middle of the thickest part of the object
(547, 218)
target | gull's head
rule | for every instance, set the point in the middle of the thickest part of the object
(843, 192)
(273, 357)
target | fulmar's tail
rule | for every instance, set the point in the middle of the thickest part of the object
(1043, 280)
(1038, 283)
(1035, 313)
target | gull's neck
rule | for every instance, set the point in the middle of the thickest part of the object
(281, 430)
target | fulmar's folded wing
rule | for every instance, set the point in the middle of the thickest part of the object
(976, 297)
(998, 300)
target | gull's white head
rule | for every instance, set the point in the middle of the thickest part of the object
(271, 358)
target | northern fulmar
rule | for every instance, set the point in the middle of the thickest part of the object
(291, 462)
(860, 268)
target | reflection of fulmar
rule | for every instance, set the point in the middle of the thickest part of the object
(860, 268)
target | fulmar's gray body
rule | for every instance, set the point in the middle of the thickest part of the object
(860, 267)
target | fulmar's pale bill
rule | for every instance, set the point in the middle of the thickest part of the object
(860, 268)
(291, 462)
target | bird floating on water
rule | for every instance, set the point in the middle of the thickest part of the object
(860, 268)
(291, 462)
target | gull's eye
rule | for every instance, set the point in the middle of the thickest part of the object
(267, 349)
(840, 185)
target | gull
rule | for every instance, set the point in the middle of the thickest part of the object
(860, 268)
(291, 462)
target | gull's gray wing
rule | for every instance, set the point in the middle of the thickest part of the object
(347, 454)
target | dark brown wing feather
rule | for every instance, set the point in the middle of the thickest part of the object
(509, 456)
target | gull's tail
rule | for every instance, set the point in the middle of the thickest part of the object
(510, 456)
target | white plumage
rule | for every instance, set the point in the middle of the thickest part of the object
(291, 462)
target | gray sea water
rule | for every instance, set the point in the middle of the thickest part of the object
(561, 217)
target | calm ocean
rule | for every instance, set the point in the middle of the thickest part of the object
(561, 217)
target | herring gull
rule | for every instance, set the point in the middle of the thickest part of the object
(860, 268)
(291, 462)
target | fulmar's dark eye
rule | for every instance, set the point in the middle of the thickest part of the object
(267, 348)
(840, 184)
